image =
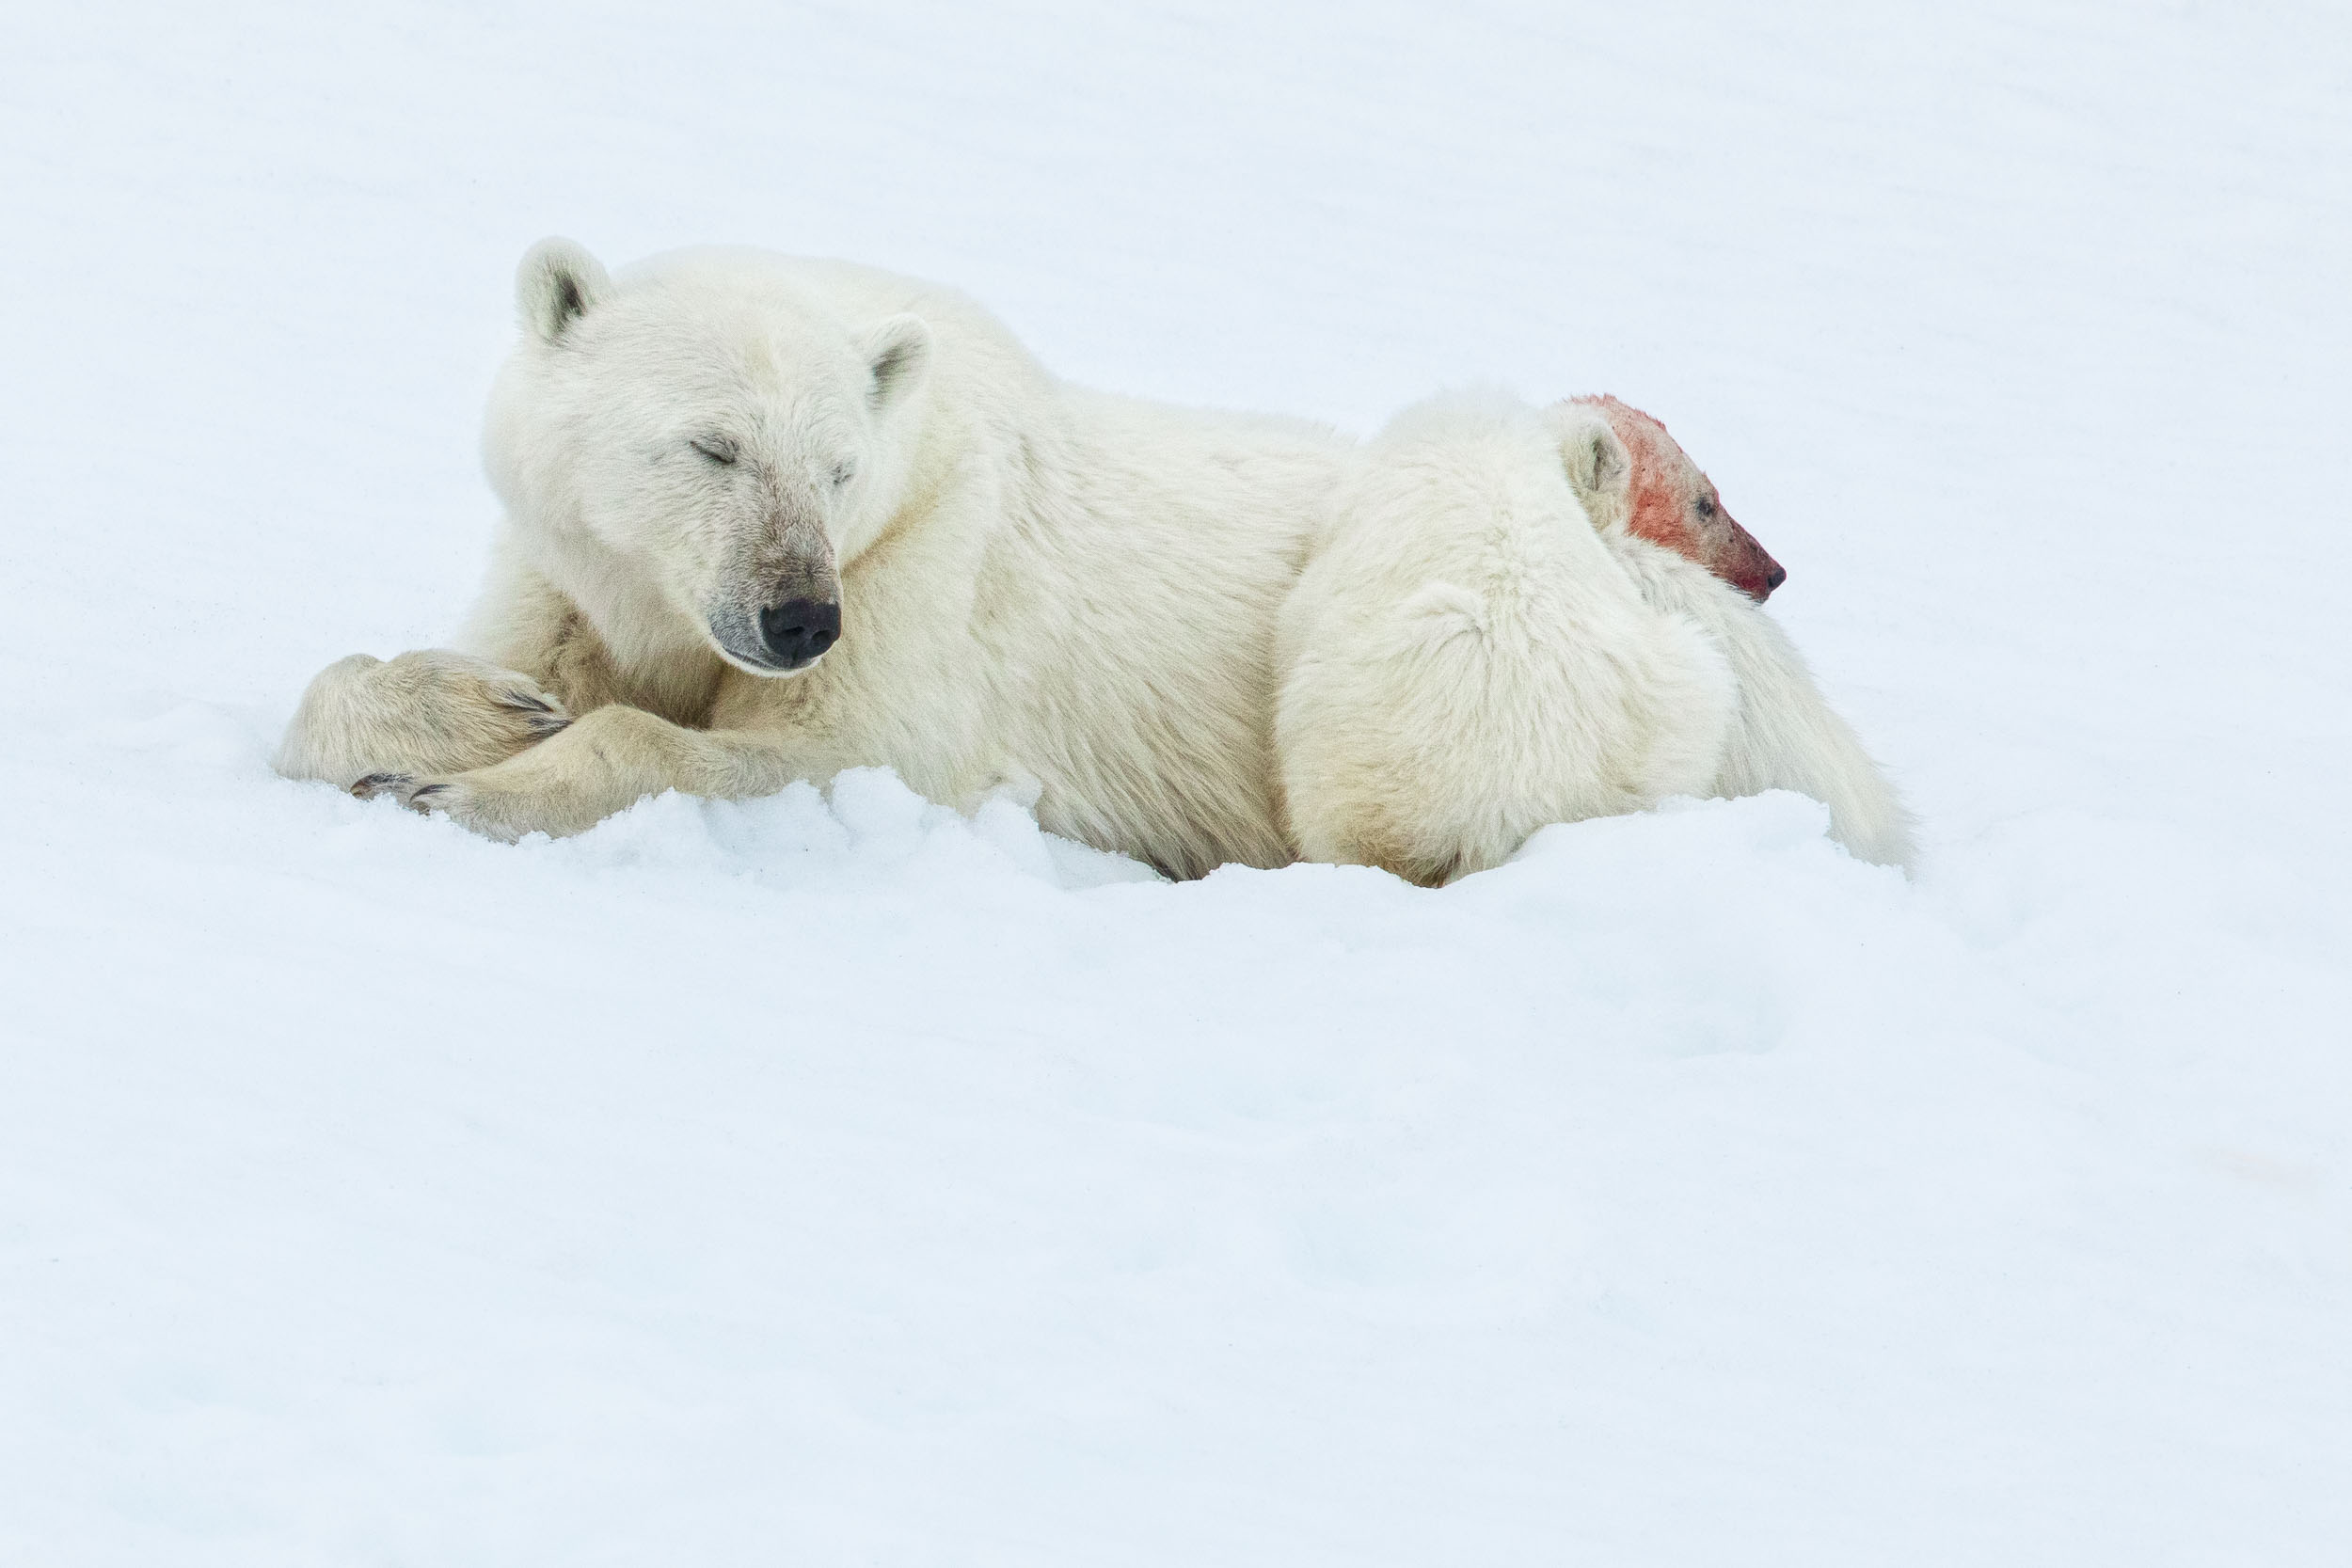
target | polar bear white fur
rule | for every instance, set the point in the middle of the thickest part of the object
(716, 462)
(1784, 733)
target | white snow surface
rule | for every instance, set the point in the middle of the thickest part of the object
(833, 1178)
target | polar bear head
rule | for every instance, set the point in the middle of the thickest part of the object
(693, 452)
(1631, 474)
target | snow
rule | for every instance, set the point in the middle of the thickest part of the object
(832, 1179)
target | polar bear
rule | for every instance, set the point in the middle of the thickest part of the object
(1480, 644)
(1464, 661)
(768, 519)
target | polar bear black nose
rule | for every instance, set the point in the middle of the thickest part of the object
(797, 630)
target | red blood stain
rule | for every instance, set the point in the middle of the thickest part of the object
(1665, 490)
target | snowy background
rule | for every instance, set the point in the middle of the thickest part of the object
(830, 1180)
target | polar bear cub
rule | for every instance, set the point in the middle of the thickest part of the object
(1466, 659)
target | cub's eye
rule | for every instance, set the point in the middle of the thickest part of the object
(843, 473)
(717, 448)
(1707, 506)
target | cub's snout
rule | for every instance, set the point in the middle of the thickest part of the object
(797, 631)
(1744, 563)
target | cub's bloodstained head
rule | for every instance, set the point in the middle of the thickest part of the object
(1672, 503)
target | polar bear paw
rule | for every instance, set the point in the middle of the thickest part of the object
(424, 713)
(472, 805)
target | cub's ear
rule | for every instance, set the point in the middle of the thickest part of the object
(898, 352)
(557, 283)
(1598, 464)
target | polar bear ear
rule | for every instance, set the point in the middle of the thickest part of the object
(1598, 466)
(898, 353)
(557, 283)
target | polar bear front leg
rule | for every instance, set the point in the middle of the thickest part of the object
(605, 762)
(432, 711)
